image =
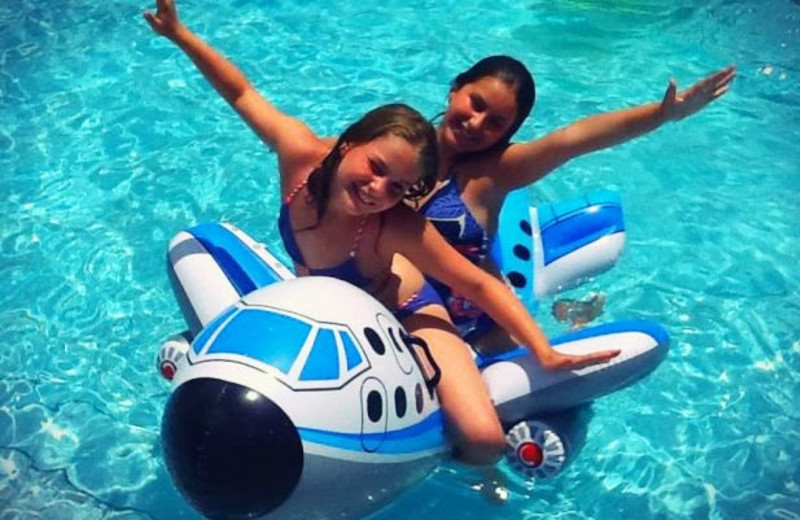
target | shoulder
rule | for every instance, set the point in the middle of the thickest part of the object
(299, 160)
(402, 220)
(298, 142)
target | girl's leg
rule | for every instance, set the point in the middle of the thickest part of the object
(473, 425)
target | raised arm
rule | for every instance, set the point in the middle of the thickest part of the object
(416, 239)
(525, 163)
(278, 130)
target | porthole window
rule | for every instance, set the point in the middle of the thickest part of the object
(522, 252)
(375, 340)
(525, 226)
(400, 402)
(516, 279)
(374, 406)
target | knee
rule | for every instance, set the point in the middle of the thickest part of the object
(482, 444)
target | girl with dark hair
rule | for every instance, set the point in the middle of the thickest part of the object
(479, 166)
(341, 217)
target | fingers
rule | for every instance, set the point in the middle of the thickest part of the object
(715, 77)
(567, 362)
(148, 16)
(719, 83)
(704, 91)
(718, 80)
(596, 358)
(717, 93)
(166, 6)
(725, 80)
(724, 76)
(606, 355)
(153, 21)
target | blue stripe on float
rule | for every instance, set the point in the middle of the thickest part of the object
(578, 225)
(245, 269)
(426, 435)
(564, 208)
(651, 328)
(485, 361)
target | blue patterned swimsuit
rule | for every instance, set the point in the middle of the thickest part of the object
(453, 219)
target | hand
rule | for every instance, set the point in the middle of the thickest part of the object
(165, 22)
(556, 362)
(677, 105)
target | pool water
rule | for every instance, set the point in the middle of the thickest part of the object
(110, 143)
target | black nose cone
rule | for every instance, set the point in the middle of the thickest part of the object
(232, 452)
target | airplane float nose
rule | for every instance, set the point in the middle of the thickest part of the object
(232, 452)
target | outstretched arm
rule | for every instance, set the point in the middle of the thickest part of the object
(412, 236)
(525, 163)
(275, 128)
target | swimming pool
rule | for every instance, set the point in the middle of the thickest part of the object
(110, 143)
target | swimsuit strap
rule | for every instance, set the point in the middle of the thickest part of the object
(359, 234)
(361, 225)
(297, 189)
(403, 304)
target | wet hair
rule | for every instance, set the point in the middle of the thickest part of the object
(511, 72)
(394, 119)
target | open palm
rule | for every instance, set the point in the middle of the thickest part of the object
(677, 105)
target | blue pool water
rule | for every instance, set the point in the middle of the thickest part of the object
(110, 143)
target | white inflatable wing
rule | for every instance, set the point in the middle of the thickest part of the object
(211, 266)
(521, 389)
(546, 249)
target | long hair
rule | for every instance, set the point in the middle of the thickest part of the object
(511, 72)
(395, 119)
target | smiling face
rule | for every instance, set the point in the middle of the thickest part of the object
(478, 115)
(388, 154)
(374, 176)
